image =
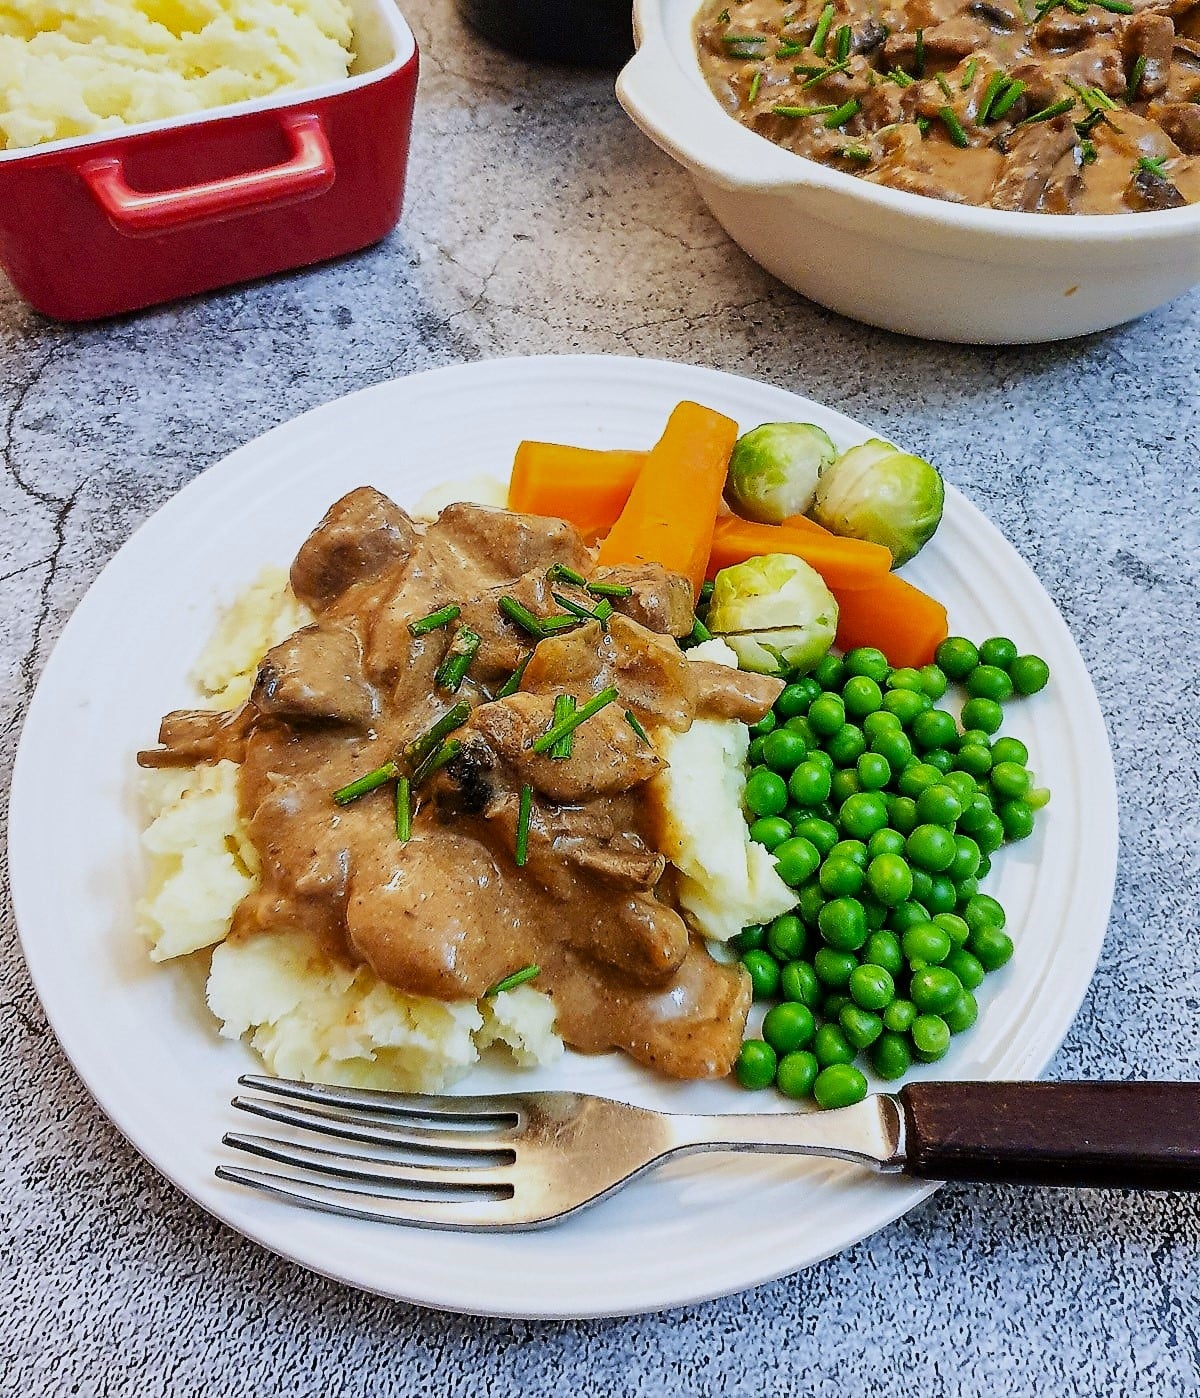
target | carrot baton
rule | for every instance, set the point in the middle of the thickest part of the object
(585, 487)
(843, 563)
(672, 508)
(906, 624)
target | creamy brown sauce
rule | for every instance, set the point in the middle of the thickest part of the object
(919, 73)
(448, 912)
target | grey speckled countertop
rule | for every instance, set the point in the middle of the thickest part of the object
(539, 220)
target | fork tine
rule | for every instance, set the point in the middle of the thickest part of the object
(416, 1138)
(471, 1212)
(380, 1103)
(448, 1181)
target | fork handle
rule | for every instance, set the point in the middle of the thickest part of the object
(1133, 1135)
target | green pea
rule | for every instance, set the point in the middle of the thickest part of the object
(764, 973)
(754, 751)
(941, 758)
(966, 858)
(905, 678)
(898, 1017)
(953, 926)
(976, 813)
(801, 725)
(796, 860)
(934, 989)
(956, 657)
(831, 1046)
(847, 745)
(860, 1026)
(798, 982)
(896, 747)
(876, 914)
(963, 784)
(834, 1002)
(983, 713)
(843, 924)
(840, 876)
(1038, 798)
(930, 1036)
(967, 967)
(844, 785)
(906, 915)
(809, 783)
(871, 987)
(943, 895)
(765, 725)
(1030, 673)
(975, 737)
(796, 1074)
(998, 651)
(862, 814)
(916, 777)
(795, 698)
(867, 661)
(906, 704)
(783, 750)
(881, 722)
(874, 772)
(766, 792)
(926, 942)
(933, 680)
(890, 879)
(968, 888)
(989, 837)
(983, 910)
(861, 696)
(973, 758)
(882, 949)
(770, 831)
(749, 939)
(1017, 820)
(885, 841)
(788, 1027)
(890, 1056)
(1007, 749)
(934, 729)
(822, 759)
(931, 847)
(821, 834)
(810, 903)
(938, 805)
(962, 1014)
(922, 885)
(991, 947)
(829, 672)
(989, 682)
(756, 1064)
(839, 1085)
(834, 968)
(902, 814)
(785, 938)
(827, 714)
(854, 850)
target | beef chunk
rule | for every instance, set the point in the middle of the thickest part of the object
(315, 676)
(1032, 152)
(363, 534)
(661, 601)
(189, 736)
(503, 546)
(1181, 121)
(1148, 191)
(1152, 37)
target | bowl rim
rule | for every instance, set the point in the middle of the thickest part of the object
(664, 91)
(404, 52)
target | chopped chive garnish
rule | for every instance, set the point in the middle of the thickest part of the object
(513, 683)
(427, 741)
(996, 84)
(706, 590)
(436, 760)
(1007, 99)
(822, 73)
(944, 85)
(569, 725)
(1135, 78)
(919, 54)
(453, 670)
(605, 589)
(954, 128)
(923, 125)
(361, 785)
(755, 84)
(526, 973)
(1116, 7)
(723, 17)
(805, 111)
(821, 32)
(1087, 151)
(435, 620)
(559, 572)
(604, 611)
(1090, 122)
(564, 707)
(523, 617)
(1048, 113)
(1154, 165)
(403, 808)
(577, 609)
(698, 634)
(859, 153)
(840, 115)
(552, 625)
(898, 75)
(744, 45)
(524, 811)
(810, 70)
(842, 42)
(631, 720)
(788, 48)
(969, 75)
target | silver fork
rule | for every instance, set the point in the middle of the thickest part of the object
(527, 1159)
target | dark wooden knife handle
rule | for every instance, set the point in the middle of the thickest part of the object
(1124, 1135)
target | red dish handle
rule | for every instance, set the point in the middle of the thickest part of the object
(309, 171)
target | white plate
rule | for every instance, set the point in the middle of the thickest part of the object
(139, 1034)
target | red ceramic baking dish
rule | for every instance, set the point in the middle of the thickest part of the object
(103, 224)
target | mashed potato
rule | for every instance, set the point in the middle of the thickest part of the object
(73, 67)
(317, 1017)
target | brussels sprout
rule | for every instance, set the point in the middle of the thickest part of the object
(775, 611)
(879, 493)
(774, 470)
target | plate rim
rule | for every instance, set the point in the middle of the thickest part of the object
(907, 1196)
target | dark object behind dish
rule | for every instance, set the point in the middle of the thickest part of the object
(585, 33)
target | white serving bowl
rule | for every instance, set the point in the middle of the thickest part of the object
(902, 261)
